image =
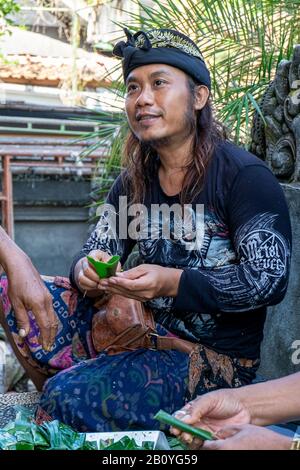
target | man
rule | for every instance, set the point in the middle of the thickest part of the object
(236, 416)
(225, 256)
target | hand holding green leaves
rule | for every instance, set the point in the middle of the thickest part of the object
(105, 269)
(177, 423)
(91, 269)
(212, 411)
(144, 282)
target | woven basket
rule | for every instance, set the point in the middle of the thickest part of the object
(8, 402)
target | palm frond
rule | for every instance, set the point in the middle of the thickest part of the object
(242, 41)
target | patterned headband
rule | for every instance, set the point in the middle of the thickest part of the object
(165, 46)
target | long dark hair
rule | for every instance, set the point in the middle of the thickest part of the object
(140, 159)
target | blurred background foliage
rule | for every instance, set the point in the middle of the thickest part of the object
(242, 42)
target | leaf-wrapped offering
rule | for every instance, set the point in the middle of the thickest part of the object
(62, 437)
(24, 434)
(107, 269)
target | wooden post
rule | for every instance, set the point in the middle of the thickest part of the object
(7, 197)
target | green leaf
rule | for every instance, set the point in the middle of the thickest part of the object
(177, 423)
(107, 269)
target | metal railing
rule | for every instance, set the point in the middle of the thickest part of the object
(44, 156)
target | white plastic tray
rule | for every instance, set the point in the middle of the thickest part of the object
(157, 437)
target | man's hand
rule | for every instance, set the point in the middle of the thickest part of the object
(86, 277)
(248, 437)
(27, 291)
(212, 411)
(145, 282)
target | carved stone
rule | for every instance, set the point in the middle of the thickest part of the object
(277, 141)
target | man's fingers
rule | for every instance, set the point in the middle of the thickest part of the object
(186, 438)
(228, 431)
(22, 319)
(99, 255)
(53, 334)
(119, 267)
(175, 431)
(133, 273)
(196, 444)
(198, 409)
(54, 323)
(128, 284)
(86, 283)
(213, 445)
(138, 286)
(88, 270)
(44, 324)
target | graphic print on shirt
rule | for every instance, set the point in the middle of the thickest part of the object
(216, 250)
(105, 236)
(264, 258)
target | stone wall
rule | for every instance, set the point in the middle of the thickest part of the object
(51, 221)
(280, 353)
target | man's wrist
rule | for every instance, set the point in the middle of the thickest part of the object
(174, 279)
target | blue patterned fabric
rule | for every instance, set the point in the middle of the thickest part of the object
(93, 392)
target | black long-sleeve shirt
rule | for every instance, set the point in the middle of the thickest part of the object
(239, 265)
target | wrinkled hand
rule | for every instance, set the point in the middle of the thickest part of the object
(212, 412)
(248, 437)
(145, 282)
(27, 292)
(85, 275)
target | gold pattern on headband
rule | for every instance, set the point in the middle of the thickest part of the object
(160, 38)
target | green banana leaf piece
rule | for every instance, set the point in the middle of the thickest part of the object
(105, 269)
(61, 437)
(166, 418)
(24, 434)
(7, 441)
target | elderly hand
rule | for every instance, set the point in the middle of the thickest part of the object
(212, 411)
(248, 437)
(144, 282)
(27, 292)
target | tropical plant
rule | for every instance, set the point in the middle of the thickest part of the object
(242, 41)
(7, 7)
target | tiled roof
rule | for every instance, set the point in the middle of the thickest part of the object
(56, 71)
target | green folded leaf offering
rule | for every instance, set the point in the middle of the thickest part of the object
(105, 270)
(24, 434)
(177, 423)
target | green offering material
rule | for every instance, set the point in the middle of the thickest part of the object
(176, 444)
(24, 434)
(177, 423)
(105, 269)
(7, 441)
(62, 437)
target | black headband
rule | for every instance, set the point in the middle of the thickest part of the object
(162, 46)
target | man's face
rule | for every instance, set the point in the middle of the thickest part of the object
(158, 104)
